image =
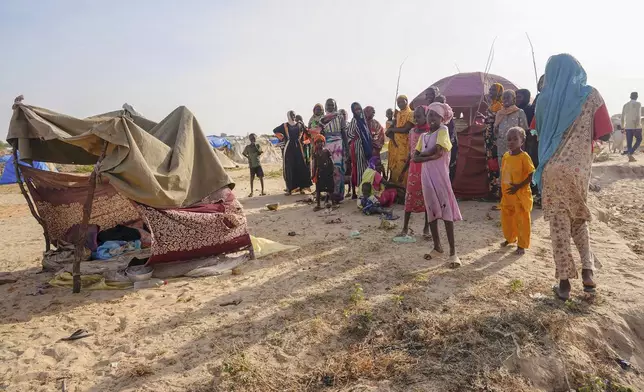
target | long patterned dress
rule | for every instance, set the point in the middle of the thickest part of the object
(359, 157)
(377, 136)
(440, 201)
(565, 182)
(516, 119)
(414, 201)
(492, 156)
(336, 142)
(398, 155)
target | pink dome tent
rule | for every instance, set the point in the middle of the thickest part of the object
(464, 93)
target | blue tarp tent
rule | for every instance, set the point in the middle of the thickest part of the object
(9, 173)
(219, 142)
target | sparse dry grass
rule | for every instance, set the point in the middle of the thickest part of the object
(475, 343)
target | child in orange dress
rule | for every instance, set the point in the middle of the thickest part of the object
(516, 204)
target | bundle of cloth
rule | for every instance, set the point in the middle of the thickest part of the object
(113, 242)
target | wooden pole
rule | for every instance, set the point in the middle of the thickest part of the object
(394, 108)
(488, 65)
(87, 212)
(23, 190)
(534, 62)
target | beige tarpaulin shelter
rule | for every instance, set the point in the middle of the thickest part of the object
(169, 164)
(271, 154)
(168, 169)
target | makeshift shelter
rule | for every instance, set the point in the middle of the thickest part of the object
(221, 146)
(272, 154)
(9, 172)
(219, 142)
(465, 93)
(165, 174)
(226, 162)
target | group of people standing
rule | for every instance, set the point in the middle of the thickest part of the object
(508, 109)
(546, 145)
(350, 143)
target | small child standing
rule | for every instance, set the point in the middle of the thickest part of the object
(433, 151)
(252, 152)
(414, 201)
(516, 204)
(390, 119)
(322, 170)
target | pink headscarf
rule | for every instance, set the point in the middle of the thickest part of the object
(443, 110)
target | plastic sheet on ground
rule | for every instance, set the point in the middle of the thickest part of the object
(264, 247)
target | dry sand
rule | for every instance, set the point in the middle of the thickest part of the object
(340, 314)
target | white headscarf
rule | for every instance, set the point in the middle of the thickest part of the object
(290, 115)
(443, 110)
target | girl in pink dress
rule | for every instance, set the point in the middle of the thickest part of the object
(433, 151)
(414, 201)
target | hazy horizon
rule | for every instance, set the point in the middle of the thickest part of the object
(240, 66)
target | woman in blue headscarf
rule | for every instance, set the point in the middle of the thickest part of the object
(360, 146)
(570, 115)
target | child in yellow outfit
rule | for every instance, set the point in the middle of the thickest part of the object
(516, 204)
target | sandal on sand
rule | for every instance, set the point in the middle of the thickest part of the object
(454, 262)
(558, 294)
(589, 287)
(434, 254)
(79, 334)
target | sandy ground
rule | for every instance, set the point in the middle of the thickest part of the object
(341, 313)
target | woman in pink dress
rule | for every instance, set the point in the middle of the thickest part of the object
(414, 201)
(433, 151)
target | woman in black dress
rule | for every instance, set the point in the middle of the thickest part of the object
(297, 174)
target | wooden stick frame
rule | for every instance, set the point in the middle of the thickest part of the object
(25, 194)
(87, 212)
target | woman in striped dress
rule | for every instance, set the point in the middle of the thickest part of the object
(360, 146)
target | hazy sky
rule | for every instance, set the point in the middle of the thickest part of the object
(241, 65)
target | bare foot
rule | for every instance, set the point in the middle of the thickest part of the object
(520, 252)
(317, 208)
(403, 233)
(250, 194)
(426, 233)
(562, 290)
(504, 244)
(263, 193)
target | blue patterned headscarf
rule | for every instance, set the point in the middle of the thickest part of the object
(564, 93)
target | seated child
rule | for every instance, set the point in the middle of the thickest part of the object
(369, 203)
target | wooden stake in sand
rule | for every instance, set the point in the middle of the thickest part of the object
(488, 65)
(87, 212)
(396, 100)
(28, 199)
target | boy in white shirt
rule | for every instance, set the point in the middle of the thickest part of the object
(632, 123)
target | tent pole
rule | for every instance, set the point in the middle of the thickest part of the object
(87, 212)
(29, 202)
